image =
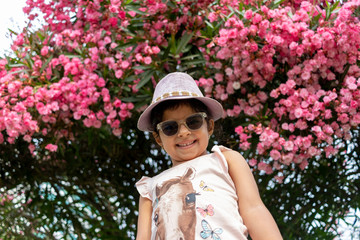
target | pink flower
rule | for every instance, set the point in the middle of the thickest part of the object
(343, 118)
(279, 179)
(252, 162)
(301, 124)
(285, 126)
(306, 142)
(249, 111)
(31, 148)
(147, 60)
(257, 18)
(262, 96)
(327, 114)
(275, 154)
(303, 164)
(305, 75)
(118, 74)
(316, 129)
(274, 93)
(248, 14)
(125, 64)
(290, 83)
(262, 166)
(351, 83)
(245, 146)
(212, 17)
(283, 89)
(239, 130)
(44, 50)
(289, 146)
(130, 106)
(101, 82)
(117, 131)
(328, 129)
(298, 112)
(51, 147)
(113, 21)
(313, 151)
(287, 158)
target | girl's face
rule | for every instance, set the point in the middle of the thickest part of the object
(185, 144)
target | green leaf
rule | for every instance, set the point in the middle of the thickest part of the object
(141, 67)
(328, 13)
(29, 60)
(135, 9)
(17, 65)
(130, 78)
(139, 98)
(145, 78)
(183, 42)
(191, 57)
(241, 6)
(209, 24)
(194, 62)
(45, 64)
(334, 5)
(71, 56)
(276, 3)
(126, 88)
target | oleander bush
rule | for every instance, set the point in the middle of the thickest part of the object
(71, 91)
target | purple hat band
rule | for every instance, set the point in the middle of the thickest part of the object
(177, 85)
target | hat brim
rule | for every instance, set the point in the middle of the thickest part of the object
(214, 107)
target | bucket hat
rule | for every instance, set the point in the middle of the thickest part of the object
(177, 85)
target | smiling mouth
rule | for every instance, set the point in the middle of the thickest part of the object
(186, 144)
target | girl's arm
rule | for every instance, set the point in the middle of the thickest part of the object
(144, 219)
(257, 218)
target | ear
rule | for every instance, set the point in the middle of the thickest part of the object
(189, 174)
(157, 138)
(211, 126)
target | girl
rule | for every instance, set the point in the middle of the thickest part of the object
(203, 195)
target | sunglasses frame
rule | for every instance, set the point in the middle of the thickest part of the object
(202, 114)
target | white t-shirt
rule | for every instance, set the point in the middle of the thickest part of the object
(194, 200)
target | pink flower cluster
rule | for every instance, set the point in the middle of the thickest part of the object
(307, 107)
(66, 100)
(68, 85)
(291, 73)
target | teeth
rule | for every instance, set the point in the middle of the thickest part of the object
(186, 144)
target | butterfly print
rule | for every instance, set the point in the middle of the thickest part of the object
(208, 211)
(209, 232)
(204, 187)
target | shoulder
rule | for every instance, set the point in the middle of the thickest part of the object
(232, 155)
(229, 156)
(237, 165)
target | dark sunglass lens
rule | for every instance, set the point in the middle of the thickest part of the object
(194, 122)
(169, 128)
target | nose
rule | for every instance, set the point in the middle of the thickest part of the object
(183, 130)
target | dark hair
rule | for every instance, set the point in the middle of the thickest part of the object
(158, 111)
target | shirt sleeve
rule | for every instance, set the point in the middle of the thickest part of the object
(223, 164)
(218, 150)
(144, 187)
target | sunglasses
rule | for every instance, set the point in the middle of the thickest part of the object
(193, 122)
